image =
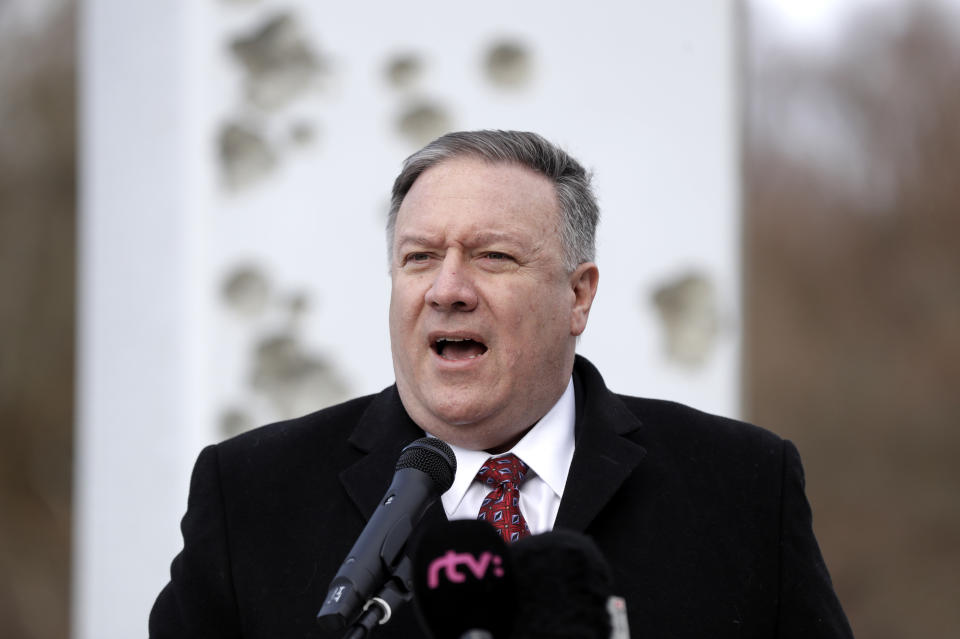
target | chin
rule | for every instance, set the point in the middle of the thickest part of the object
(456, 404)
(459, 417)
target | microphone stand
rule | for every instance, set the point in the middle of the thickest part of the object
(397, 591)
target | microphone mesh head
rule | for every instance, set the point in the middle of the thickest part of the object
(433, 457)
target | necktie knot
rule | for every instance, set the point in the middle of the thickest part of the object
(501, 507)
(502, 470)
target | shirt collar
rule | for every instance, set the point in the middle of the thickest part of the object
(547, 449)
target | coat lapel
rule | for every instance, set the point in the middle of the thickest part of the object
(382, 432)
(604, 457)
(602, 461)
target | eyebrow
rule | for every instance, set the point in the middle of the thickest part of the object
(478, 238)
(491, 237)
(420, 240)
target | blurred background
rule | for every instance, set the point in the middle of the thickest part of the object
(849, 143)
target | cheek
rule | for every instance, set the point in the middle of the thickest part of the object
(548, 311)
(405, 301)
(401, 329)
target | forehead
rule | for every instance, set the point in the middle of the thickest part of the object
(471, 192)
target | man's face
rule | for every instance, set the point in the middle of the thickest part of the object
(483, 315)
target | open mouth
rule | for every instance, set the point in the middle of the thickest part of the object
(457, 348)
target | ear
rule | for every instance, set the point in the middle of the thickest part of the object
(584, 282)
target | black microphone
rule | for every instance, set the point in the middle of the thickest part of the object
(425, 470)
(463, 582)
(566, 589)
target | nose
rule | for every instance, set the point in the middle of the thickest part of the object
(452, 289)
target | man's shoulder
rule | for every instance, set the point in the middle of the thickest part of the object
(324, 422)
(321, 434)
(670, 423)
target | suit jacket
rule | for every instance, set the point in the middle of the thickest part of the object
(702, 519)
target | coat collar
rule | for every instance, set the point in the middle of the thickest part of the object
(602, 460)
(382, 432)
(604, 457)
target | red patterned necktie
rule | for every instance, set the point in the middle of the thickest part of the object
(503, 475)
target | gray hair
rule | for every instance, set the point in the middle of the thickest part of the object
(578, 206)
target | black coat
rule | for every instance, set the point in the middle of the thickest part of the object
(703, 521)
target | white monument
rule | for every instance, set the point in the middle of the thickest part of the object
(235, 171)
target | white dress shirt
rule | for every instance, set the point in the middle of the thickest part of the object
(547, 449)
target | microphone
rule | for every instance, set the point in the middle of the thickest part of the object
(566, 588)
(463, 582)
(424, 471)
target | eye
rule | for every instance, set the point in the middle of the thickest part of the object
(415, 259)
(497, 261)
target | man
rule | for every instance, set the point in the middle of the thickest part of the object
(703, 520)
